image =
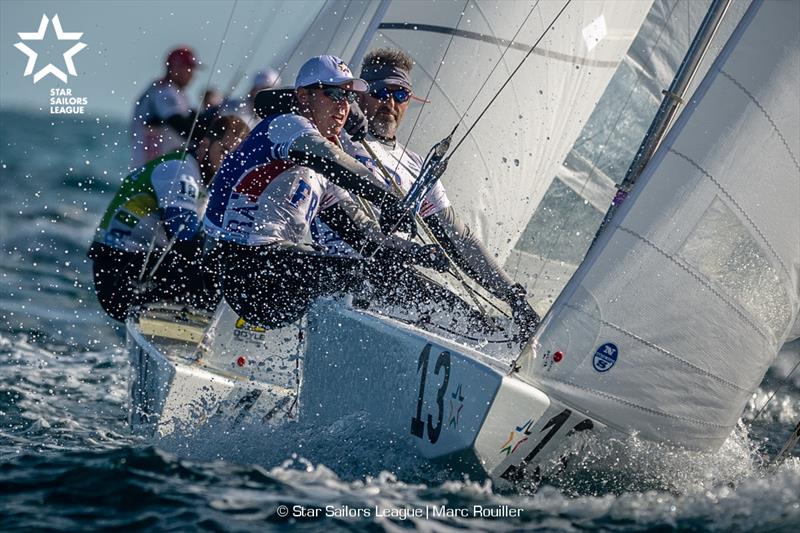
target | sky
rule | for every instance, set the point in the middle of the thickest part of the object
(127, 41)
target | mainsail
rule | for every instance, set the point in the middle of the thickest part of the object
(675, 315)
(498, 177)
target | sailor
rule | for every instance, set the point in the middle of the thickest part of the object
(388, 72)
(245, 107)
(162, 118)
(157, 211)
(268, 191)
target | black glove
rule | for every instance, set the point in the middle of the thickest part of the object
(431, 256)
(392, 219)
(356, 124)
(522, 313)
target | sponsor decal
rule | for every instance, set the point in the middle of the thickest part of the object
(520, 433)
(249, 333)
(241, 323)
(605, 357)
(62, 101)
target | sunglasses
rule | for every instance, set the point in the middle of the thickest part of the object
(339, 95)
(400, 95)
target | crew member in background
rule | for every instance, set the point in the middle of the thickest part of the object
(160, 205)
(212, 99)
(268, 191)
(245, 107)
(388, 72)
(162, 118)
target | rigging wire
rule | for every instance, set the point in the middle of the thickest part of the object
(771, 396)
(255, 44)
(301, 40)
(497, 64)
(508, 80)
(430, 88)
(185, 150)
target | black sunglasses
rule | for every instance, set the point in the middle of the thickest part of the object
(400, 95)
(339, 95)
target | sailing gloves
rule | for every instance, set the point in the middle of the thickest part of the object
(431, 256)
(356, 124)
(393, 219)
(522, 313)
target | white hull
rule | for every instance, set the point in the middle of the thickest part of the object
(454, 404)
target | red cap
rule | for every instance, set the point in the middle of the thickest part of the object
(184, 56)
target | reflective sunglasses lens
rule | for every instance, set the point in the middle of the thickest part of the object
(381, 94)
(339, 95)
(401, 95)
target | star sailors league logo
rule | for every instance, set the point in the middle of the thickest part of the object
(50, 68)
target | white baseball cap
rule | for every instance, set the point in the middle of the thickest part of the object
(328, 70)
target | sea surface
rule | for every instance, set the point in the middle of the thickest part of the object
(69, 463)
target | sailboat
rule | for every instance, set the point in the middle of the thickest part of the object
(664, 331)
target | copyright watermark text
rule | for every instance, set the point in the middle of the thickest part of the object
(398, 513)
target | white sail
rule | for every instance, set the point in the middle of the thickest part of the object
(678, 310)
(500, 174)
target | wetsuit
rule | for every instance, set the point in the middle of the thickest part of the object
(155, 203)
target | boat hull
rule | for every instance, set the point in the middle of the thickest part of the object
(459, 408)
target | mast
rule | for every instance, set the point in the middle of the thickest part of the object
(673, 97)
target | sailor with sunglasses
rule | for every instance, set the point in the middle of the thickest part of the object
(268, 191)
(388, 72)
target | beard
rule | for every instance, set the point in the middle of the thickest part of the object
(384, 125)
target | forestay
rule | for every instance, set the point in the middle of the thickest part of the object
(678, 310)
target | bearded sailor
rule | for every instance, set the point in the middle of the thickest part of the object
(267, 192)
(388, 72)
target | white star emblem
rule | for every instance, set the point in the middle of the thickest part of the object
(50, 68)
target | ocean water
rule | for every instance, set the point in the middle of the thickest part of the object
(69, 462)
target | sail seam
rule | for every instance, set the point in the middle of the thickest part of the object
(660, 350)
(764, 111)
(499, 41)
(700, 280)
(733, 201)
(640, 407)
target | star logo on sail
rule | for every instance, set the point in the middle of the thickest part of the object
(521, 433)
(39, 35)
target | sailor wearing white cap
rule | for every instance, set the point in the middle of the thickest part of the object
(388, 72)
(267, 192)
